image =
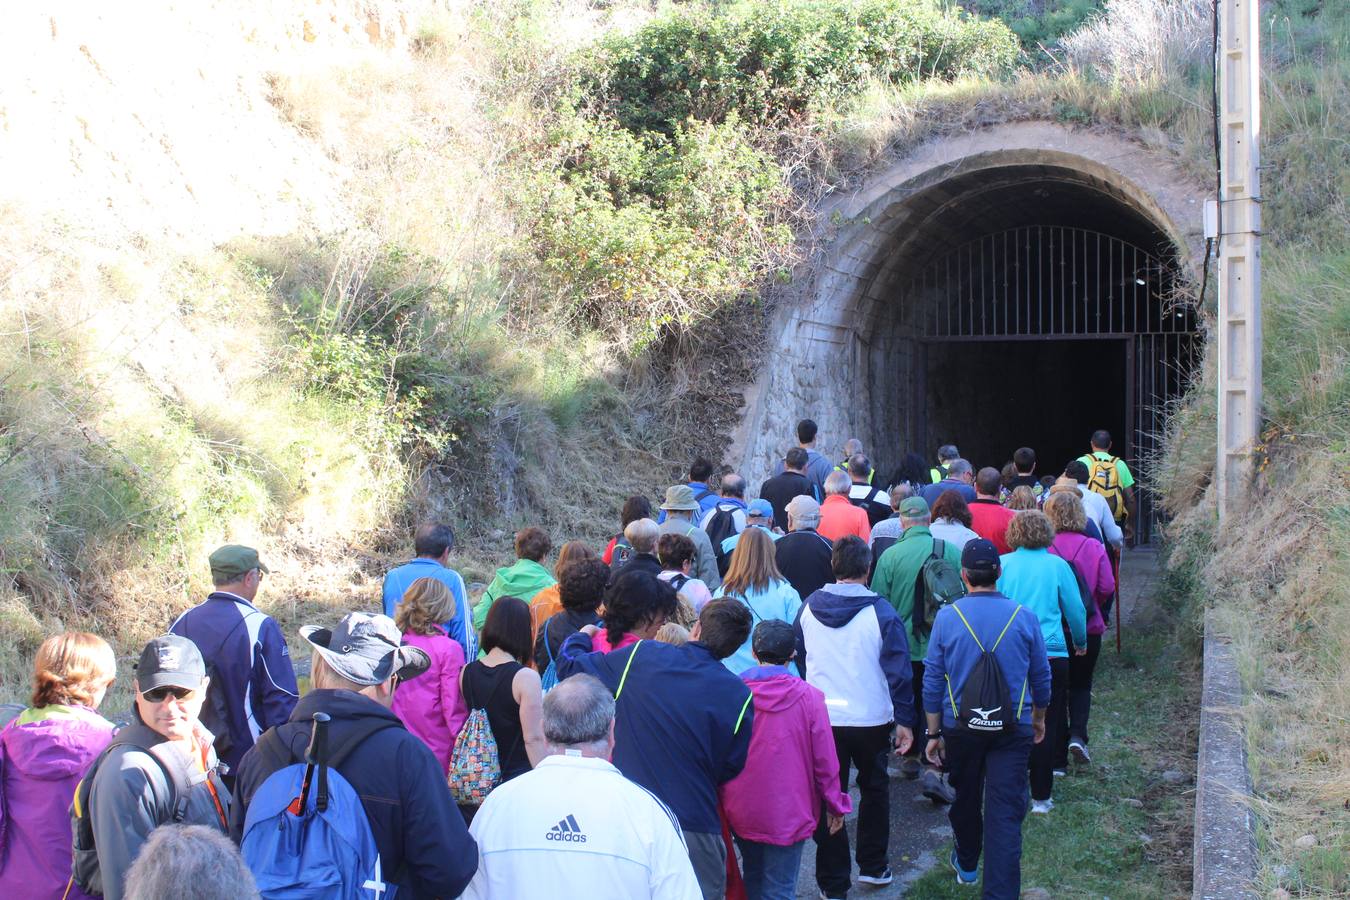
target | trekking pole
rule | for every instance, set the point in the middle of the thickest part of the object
(318, 738)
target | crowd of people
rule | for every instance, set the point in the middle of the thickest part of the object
(672, 717)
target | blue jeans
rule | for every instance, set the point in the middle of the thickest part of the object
(770, 871)
(989, 775)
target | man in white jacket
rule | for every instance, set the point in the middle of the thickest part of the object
(574, 826)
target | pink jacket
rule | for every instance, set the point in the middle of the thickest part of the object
(791, 768)
(1088, 556)
(431, 705)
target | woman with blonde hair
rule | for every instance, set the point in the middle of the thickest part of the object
(753, 578)
(431, 705)
(1045, 585)
(1088, 558)
(1022, 498)
(548, 603)
(43, 754)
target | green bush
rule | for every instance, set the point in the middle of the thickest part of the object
(769, 63)
(1039, 22)
(645, 232)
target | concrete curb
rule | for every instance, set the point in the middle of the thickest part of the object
(1225, 842)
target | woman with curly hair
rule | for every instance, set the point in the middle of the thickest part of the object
(1088, 558)
(431, 706)
(43, 754)
(1045, 585)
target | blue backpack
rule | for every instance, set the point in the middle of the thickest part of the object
(306, 834)
(549, 679)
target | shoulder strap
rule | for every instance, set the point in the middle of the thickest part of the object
(547, 649)
(626, 666)
(939, 548)
(1005, 628)
(741, 717)
(968, 628)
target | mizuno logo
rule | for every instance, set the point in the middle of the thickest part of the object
(567, 830)
(985, 713)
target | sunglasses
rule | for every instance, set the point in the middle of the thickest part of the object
(160, 694)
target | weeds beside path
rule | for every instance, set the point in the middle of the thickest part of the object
(1122, 827)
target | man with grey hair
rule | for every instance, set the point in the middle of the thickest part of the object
(854, 447)
(803, 554)
(179, 861)
(960, 477)
(641, 535)
(574, 825)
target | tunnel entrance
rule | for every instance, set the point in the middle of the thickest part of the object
(1020, 285)
(1019, 394)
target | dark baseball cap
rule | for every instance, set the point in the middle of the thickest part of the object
(980, 555)
(170, 661)
(366, 649)
(234, 561)
(773, 640)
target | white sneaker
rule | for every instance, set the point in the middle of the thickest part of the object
(1079, 750)
(1042, 807)
(1059, 773)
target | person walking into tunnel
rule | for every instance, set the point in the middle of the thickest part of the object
(852, 647)
(861, 493)
(791, 482)
(951, 520)
(913, 473)
(1024, 473)
(803, 554)
(680, 507)
(899, 579)
(989, 518)
(1096, 584)
(854, 447)
(838, 516)
(727, 518)
(886, 532)
(959, 476)
(1110, 477)
(988, 764)
(946, 454)
(1046, 586)
(818, 468)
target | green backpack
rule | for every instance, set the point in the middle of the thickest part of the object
(938, 584)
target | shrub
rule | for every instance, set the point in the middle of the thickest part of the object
(769, 63)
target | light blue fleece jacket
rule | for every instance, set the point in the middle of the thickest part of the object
(1044, 584)
(779, 600)
(953, 653)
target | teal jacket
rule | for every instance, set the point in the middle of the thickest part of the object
(1045, 585)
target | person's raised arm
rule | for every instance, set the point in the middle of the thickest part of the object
(526, 689)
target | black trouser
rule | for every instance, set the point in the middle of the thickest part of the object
(864, 749)
(1081, 669)
(989, 775)
(1056, 720)
(921, 730)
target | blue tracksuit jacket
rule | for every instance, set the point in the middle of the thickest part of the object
(397, 582)
(252, 666)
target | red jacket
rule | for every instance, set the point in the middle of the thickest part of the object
(839, 517)
(989, 519)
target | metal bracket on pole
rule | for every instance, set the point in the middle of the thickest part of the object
(1239, 248)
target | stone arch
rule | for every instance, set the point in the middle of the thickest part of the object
(838, 335)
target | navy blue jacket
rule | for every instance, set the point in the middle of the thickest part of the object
(252, 666)
(681, 723)
(424, 847)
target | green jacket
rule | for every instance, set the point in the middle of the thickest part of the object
(524, 578)
(895, 575)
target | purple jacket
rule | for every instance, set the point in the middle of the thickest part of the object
(431, 705)
(1088, 556)
(43, 755)
(792, 767)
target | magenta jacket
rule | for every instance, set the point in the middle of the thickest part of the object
(431, 704)
(1088, 556)
(792, 767)
(43, 755)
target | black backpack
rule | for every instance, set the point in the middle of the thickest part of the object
(986, 703)
(721, 525)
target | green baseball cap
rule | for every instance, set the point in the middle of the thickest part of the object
(914, 508)
(234, 561)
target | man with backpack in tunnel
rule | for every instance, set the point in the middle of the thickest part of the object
(1110, 477)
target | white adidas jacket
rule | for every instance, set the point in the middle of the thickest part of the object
(575, 827)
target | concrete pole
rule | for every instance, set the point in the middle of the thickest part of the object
(1239, 248)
